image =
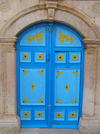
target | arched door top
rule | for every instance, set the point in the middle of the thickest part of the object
(65, 35)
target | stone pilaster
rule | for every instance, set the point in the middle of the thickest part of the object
(90, 120)
(9, 121)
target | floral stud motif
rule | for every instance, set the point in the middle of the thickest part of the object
(40, 56)
(59, 72)
(72, 115)
(58, 115)
(39, 114)
(24, 72)
(32, 86)
(58, 101)
(25, 56)
(66, 87)
(73, 101)
(40, 100)
(25, 114)
(75, 57)
(75, 73)
(25, 100)
(40, 72)
(60, 57)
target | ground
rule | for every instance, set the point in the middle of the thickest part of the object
(49, 131)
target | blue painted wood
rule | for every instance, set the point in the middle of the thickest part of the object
(49, 75)
(35, 37)
(35, 79)
(67, 95)
(63, 37)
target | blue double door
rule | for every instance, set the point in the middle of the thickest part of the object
(49, 76)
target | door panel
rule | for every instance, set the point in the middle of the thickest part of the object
(32, 86)
(67, 87)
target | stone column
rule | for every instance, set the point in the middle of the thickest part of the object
(90, 121)
(9, 121)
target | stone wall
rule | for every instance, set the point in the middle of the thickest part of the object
(9, 8)
(84, 16)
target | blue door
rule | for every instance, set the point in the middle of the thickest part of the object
(49, 76)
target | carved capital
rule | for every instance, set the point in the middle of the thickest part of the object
(51, 6)
(8, 39)
(8, 44)
(91, 43)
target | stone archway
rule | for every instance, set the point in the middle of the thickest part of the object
(50, 11)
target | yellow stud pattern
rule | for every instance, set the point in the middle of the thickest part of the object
(75, 73)
(59, 72)
(40, 100)
(25, 56)
(60, 57)
(25, 100)
(40, 72)
(72, 115)
(58, 101)
(25, 114)
(75, 57)
(58, 115)
(39, 114)
(73, 101)
(24, 72)
(32, 86)
(40, 56)
(66, 87)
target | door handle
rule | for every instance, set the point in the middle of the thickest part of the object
(48, 57)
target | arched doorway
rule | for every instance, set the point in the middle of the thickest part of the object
(50, 63)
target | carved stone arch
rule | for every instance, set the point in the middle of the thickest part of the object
(63, 14)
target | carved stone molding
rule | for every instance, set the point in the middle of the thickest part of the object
(51, 6)
(88, 23)
(4, 5)
(96, 7)
(8, 39)
(92, 41)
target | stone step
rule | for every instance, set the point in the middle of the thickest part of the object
(48, 131)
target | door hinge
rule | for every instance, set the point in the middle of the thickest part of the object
(50, 28)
